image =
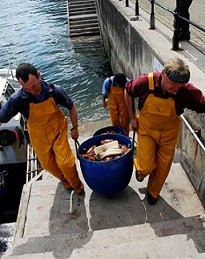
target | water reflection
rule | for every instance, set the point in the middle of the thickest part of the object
(37, 32)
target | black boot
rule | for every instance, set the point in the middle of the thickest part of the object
(151, 200)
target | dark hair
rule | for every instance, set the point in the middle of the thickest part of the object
(23, 71)
(120, 79)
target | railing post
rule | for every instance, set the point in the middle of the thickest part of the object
(175, 39)
(136, 8)
(127, 3)
(152, 17)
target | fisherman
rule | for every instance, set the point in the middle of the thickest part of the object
(163, 96)
(38, 102)
(113, 89)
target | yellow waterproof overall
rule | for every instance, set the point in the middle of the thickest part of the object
(47, 127)
(157, 136)
(118, 111)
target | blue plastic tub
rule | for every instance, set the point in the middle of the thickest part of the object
(108, 177)
(109, 128)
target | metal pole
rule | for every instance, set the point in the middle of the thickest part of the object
(127, 3)
(136, 8)
(175, 39)
(152, 16)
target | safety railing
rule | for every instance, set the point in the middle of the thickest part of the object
(196, 134)
(34, 170)
(177, 17)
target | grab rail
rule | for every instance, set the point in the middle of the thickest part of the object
(193, 132)
(177, 17)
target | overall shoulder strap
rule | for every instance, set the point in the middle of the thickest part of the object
(151, 81)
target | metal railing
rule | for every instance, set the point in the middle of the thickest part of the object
(194, 133)
(177, 17)
(34, 170)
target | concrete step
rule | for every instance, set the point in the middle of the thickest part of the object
(87, 33)
(55, 223)
(168, 239)
(84, 29)
(83, 18)
(80, 7)
(81, 4)
(49, 223)
(81, 15)
(91, 29)
(85, 24)
(50, 255)
(76, 8)
(78, 2)
(81, 21)
(82, 12)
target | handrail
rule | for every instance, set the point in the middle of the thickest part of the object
(34, 169)
(194, 133)
(175, 39)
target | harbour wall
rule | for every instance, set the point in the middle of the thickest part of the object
(133, 48)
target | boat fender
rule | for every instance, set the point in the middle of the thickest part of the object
(7, 137)
(19, 136)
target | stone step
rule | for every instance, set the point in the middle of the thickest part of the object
(82, 18)
(80, 1)
(50, 255)
(168, 239)
(84, 33)
(81, 4)
(79, 9)
(177, 246)
(85, 24)
(84, 28)
(199, 256)
(82, 12)
(88, 31)
(55, 222)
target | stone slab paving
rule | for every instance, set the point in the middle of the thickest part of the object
(56, 223)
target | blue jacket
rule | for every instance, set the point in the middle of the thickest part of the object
(107, 83)
(20, 100)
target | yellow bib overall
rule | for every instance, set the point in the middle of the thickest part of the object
(118, 111)
(157, 136)
(47, 127)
